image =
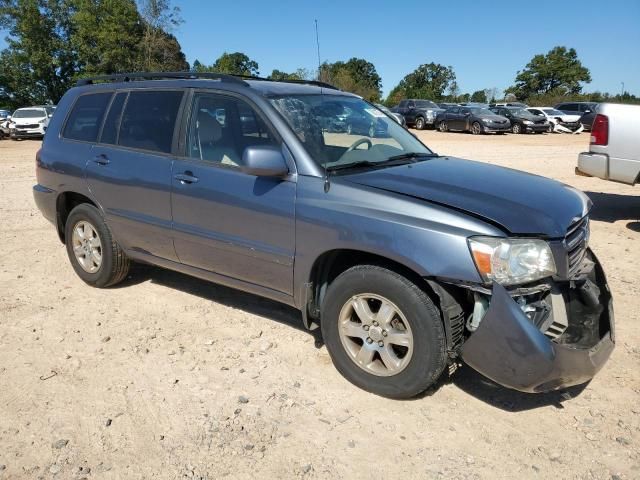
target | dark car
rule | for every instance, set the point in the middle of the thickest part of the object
(586, 110)
(446, 105)
(396, 116)
(472, 119)
(522, 121)
(363, 123)
(405, 260)
(418, 113)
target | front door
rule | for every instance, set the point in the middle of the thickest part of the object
(226, 221)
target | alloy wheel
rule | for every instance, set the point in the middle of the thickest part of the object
(87, 246)
(375, 334)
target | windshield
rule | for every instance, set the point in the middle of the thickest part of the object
(425, 104)
(481, 111)
(552, 111)
(340, 130)
(521, 112)
(29, 113)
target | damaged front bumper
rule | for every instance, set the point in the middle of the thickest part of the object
(511, 350)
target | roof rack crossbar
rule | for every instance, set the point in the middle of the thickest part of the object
(128, 77)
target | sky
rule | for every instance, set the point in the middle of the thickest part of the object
(486, 42)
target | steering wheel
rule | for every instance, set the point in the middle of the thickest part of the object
(359, 142)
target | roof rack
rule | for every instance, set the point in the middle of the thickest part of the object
(128, 77)
(317, 83)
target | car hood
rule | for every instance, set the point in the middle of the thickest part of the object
(27, 121)
(521, 203)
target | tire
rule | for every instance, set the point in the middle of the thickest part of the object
(516, 128)
(476, 128)
(113, 265)
(443, 126)
(414, 317)
(420, 123)
(550, 128)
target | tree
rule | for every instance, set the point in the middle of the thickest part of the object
(161, 50)
(106, 36)
(278, 75)
(356, 75)
(38, 65)
(236, 63)
(559, 70)
(479, 96)
(429, 81)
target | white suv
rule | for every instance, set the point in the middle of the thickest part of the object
(30, 122)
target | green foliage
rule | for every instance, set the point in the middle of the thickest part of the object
(555, 97)
(51, 43)
(428, 81)
(278, 75)
(236, 63)
(479, 96)
(355, 75)
(559, 70)
(105, 35)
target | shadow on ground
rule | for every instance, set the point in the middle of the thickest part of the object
(610, 207)
(465, 378)
(213, 292)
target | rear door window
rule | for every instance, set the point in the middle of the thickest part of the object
(86, 117)
(149, 120)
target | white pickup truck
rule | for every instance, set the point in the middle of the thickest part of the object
(614, 151)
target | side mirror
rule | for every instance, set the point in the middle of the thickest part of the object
(264, 161)
(50, 115)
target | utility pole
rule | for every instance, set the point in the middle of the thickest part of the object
(622, 89)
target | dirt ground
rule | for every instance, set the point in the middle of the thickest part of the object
(167, 376)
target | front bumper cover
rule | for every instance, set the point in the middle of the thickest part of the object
(510, 350)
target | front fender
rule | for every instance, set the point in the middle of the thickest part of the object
(430, 240)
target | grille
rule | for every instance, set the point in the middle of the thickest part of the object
(31, 125)
(576, 242)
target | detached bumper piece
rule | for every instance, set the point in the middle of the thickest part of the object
(511, 350)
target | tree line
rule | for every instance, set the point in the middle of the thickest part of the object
(53, 43)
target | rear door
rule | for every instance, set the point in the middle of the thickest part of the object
(129, 171)
(226, 221)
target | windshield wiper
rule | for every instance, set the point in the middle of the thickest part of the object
(410, 155)
(389, 162)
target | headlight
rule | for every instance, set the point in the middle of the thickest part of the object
(42, 121)
(527, 122)
(430, 114)
(486, 120)
(511, 261)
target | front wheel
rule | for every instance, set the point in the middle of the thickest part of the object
(443, 126)
(516, 128)
(476, 128)
(420, 123)
(383, 333)
(94, 254)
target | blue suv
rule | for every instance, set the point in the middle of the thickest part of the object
(405, 259)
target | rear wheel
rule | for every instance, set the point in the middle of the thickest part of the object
(420, 124)
(443, 126)
(384, 334)
(94, 254)
(516, 128)
(476, 128)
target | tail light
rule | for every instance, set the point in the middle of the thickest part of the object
(600, 130)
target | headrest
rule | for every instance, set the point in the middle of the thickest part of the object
(209, 130)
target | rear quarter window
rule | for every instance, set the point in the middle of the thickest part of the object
(86, 117)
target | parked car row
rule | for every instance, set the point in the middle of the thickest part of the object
(504, 117)
(28, 122)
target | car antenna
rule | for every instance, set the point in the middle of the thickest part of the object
(327, 185)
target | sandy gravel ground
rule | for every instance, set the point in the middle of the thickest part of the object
(171, 377)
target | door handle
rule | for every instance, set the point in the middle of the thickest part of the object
(101, 159)
(186, 178)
